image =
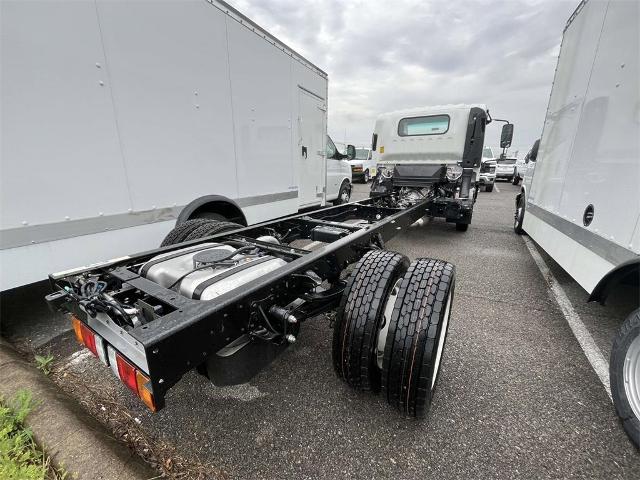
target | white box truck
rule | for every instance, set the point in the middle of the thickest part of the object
(119, 118)
(581, 204)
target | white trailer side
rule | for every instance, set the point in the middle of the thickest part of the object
(581, 203)
(589, 156)
(118, 116)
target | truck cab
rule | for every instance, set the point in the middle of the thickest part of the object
(432, 152)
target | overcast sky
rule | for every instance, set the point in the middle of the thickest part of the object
(394, 54)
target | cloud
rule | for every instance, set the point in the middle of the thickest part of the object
(388, 55)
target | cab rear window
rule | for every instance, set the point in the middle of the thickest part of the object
(429, 125)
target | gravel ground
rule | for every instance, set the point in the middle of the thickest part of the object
(516, 397)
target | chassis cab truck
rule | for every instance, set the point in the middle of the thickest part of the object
(150, 113)
(580, 199)
(434, 154)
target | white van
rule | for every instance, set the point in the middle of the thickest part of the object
(363, 167)
(581, 203)
(121, 118)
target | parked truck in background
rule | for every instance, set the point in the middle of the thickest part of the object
(506, 168)
(432, 153)
(121, 118)
(581, 202)
(487, 175)
(363, 167)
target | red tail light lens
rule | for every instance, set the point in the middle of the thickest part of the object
(89, 340)
(84, 335)
(127, 373)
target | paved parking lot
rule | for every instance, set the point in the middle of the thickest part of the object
(517, 397)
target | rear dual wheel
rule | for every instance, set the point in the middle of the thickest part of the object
(360, 318)
(391, 328)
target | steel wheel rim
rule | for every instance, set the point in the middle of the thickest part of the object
(631, 376)
(387, 311)
(443, 335)
(345, 195)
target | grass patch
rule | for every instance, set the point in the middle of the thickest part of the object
(20, 457)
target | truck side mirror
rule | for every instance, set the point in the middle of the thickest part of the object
(534, 151)
(351, 152)
(506, 136)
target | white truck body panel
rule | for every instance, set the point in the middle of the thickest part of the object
(115, 115)
(590, 152)
(439, 148)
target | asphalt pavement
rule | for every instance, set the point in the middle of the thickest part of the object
(516, 397)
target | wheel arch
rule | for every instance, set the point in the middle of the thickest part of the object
(213, 204)
(627, 271)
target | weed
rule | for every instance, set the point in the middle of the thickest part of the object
(43, 363)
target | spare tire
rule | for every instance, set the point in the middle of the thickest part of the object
(360, 318)
(416, 336)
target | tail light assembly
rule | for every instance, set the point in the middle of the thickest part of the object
(133, 378)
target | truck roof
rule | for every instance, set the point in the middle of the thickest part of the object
(434, 109)
(258, 30)
(575, 14)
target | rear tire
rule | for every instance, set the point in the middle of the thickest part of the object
(180, 232)
(361, 316)
(488, 188)
(516, 180)
(624, 375)
(196, 228)
(519, 215)
(212, 228)
(366, 177)
(416, 336)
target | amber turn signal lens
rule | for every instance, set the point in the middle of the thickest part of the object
(77, 328)
(143, 392)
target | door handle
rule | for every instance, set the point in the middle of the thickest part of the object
(304, 151)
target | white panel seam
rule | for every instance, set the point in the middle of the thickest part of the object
(113, 106)
(233, 115)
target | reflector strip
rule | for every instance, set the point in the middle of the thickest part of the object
(113, 364)
(100, 349)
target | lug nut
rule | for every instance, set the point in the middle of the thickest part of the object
(290, 338)
(292, 319)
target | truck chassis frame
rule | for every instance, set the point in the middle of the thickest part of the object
(186, 332)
